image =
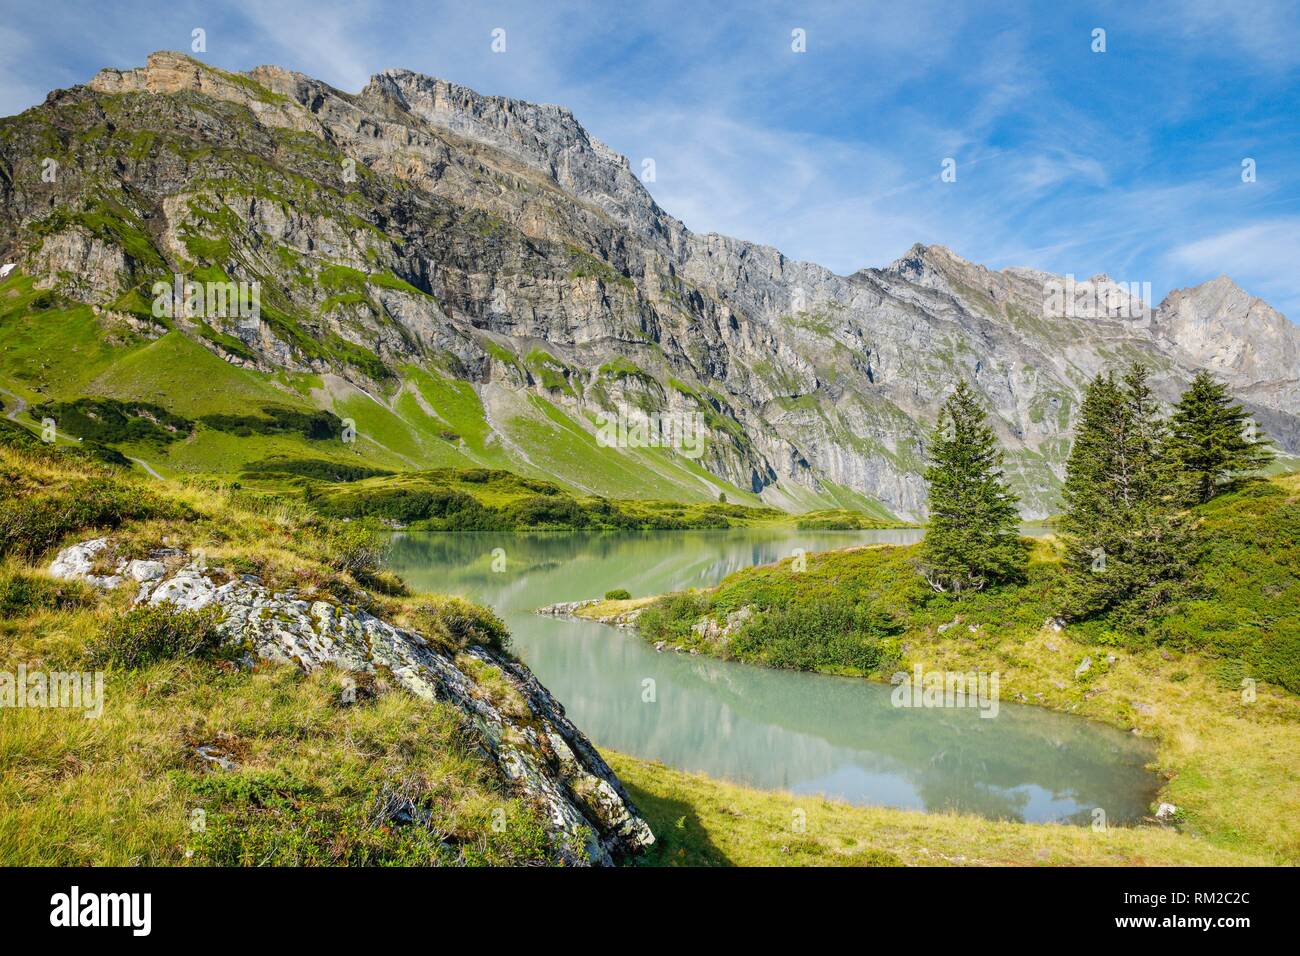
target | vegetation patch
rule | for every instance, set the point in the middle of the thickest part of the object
(111, 422)
(319, 469)
(151, 633)
(314, 425)
(480, 499)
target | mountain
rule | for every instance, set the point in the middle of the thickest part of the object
(473, 280)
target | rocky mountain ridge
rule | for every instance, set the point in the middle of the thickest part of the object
(423, 249)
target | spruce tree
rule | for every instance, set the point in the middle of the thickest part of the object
(1128, 541)
(971, 541)
(1211, 439)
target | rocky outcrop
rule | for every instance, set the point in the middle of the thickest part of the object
(618, 617)
(481, 231)
(536, 747)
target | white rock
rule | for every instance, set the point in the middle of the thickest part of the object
(145, 570)
(76, 563)
(78, 560)
(1166, 811)
(189, 590)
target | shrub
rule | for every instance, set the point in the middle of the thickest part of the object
(107, 420)
(454, 624)
(817, 636)
(22, 593)
(315, 425)
(618, 594)
(319, 468)
(33, 522)
(356, 547)
(670, 618)
(156, 632)
(548, 510)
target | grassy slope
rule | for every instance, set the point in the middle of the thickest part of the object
(699, 821)
(50, 349)
(312, 774)
(1181, 685)
(509, 496)
(122, 789)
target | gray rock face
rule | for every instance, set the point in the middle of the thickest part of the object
(513, 229)
(539, 751)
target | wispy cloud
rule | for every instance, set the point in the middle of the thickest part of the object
(1261, 257)
(1126, 161)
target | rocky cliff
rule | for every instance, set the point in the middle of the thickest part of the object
(489, 278)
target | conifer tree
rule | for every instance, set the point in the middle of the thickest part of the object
(1128, 540)
(971, 540)
(1211, 438)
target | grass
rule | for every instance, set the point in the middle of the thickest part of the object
(1231, 761)
(479, 499)
(700, 821)
(313, 778)
(55, 351)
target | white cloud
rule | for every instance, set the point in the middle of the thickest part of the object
(1261, 258)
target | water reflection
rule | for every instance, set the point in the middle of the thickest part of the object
(806, 733)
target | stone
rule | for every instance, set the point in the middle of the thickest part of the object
(1084, 666)
(214, 758)
(145, 570)
(1166, 811)
(190, 589)
(544, 755)
(79, 560)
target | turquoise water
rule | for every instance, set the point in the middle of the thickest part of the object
(807, 733)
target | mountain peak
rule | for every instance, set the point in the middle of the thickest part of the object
(923, 261)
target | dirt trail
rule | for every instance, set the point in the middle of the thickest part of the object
(20, 406)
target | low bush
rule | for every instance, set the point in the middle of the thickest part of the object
(107, 420)
(318, 468)
(156, 632)
(356, 547)
(315, 425)
(34, 520)
(24, 592)
(454, 624)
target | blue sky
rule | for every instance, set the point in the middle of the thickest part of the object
(1126, 162)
